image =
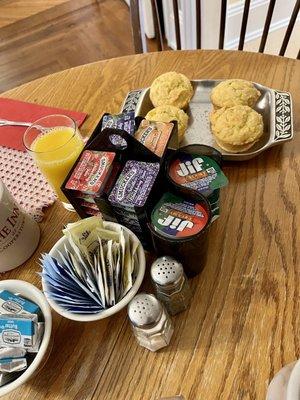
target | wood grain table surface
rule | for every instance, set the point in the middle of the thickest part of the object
(244, 322)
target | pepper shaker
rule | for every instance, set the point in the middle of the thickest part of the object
(171, 284)
(150, 322)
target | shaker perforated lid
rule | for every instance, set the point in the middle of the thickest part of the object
(166, 270)
(144, 310)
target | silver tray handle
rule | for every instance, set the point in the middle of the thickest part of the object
(281, 117)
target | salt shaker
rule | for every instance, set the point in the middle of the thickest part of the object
(171, 284)
(150, 322)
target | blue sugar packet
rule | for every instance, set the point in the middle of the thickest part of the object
(67, 289)
(13, 304)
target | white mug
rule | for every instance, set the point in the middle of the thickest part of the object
(19, 233)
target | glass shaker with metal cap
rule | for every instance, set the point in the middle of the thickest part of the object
(150, 322)
(171, 284)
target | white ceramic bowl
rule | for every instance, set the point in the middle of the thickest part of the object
(36, 296)
(293, 387)
(286, 383)
(59, 246)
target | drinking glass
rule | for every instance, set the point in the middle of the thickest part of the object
(54, 142)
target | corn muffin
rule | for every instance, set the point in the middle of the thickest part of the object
(237, 128)
(172, 89)
(234, 92)
(167, 113)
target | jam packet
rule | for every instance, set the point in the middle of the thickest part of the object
(178, 218)
(198, 172)
(91, 172)
(123, 121)
(134, 184)
(154, 135)
(131, 196)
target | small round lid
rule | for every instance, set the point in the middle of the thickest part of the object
(166, 270)
(144, 310)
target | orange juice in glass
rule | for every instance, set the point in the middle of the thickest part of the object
(54, 143)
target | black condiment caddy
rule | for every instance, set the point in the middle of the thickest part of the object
(191, 251)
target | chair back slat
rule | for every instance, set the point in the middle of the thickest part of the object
(136, 26)
(198, 23)
(222, 24)
(157, 26)
(267, 26)
(244, 24)
(177, 24)
(139, 37)
(289, 29)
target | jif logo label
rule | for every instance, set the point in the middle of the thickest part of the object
(190, 167)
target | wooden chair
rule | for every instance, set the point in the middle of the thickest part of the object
(138, 38)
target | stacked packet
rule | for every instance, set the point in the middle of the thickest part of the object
(21, 332)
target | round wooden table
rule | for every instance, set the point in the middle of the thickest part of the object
(244, 322)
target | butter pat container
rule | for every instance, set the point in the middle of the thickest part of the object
(14, 304)
(18, 330)
(123, 121)
(9, 365)
(11, 352)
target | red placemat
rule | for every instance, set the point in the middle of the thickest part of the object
(17, 170)
(15, 110)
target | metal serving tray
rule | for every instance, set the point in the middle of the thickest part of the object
(274, 105)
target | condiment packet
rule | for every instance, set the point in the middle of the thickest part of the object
(91, 172)
(15, 304)
(177, 218)
(11, 352)
(154, 135)
(123, 121)
(134, 184)
(40, 333)
(8, 365)
(198, 172)
(82, 235)
(18, 330)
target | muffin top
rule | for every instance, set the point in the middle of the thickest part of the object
(234, 92)
(167, 113)
(172, 89)
(237, 125)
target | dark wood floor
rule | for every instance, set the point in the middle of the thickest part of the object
(65, 34)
